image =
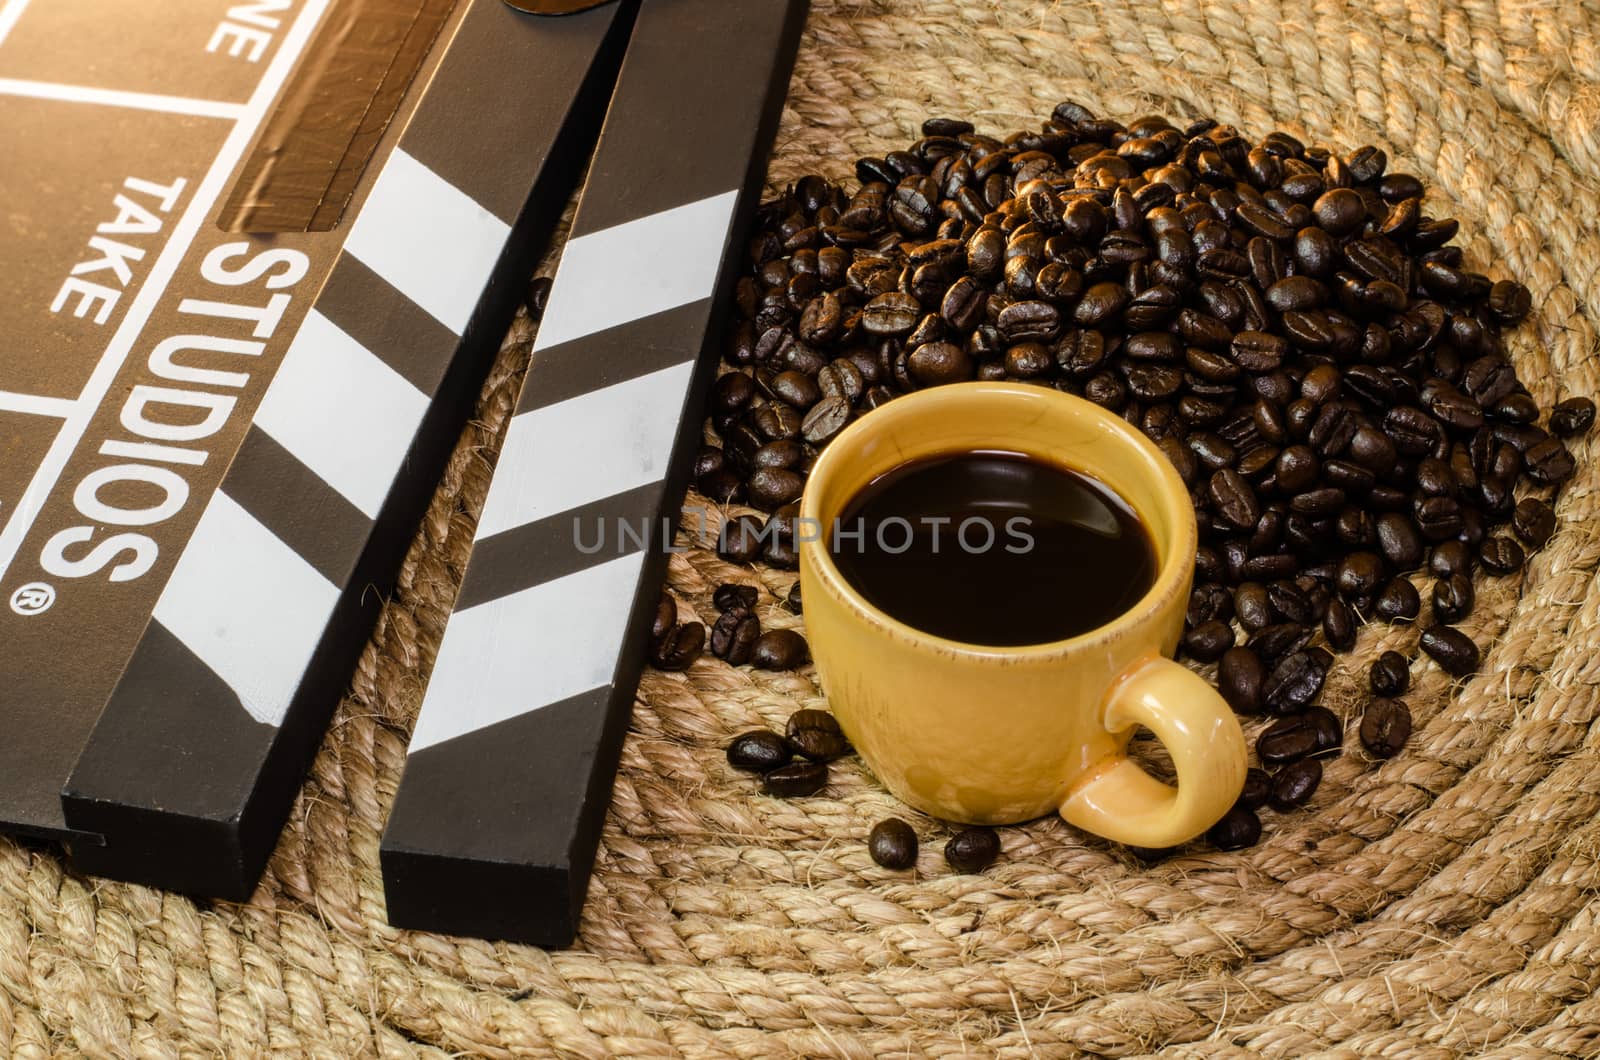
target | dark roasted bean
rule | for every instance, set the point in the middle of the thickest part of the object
(1453, 598)
(680, 648)
(796, 780)
(759, 751)
(893, 844)
(1534, 522)
(1294, 785)
(740, 539)
(1501, 555)
(1548, 462)
(1339, 625)
(1239, 828)
(1572, 416)
(972, 850)
(1257, 785)
(1385, 727)
(730, 595)
(814, 734)
(734, 634)
(779, 649)
(1398, 601)
(1390, 674)
(1452, 649)
(1287, 740)
(1294, 683)
(1240, 677)
(1207, 641)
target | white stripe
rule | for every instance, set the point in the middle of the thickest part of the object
(528, 650)
(588, 447)
(342, 412)
(36, 405)
(248, 606)
(113, 97)
(637, 269)
(9, 13)
(155, 285)
(428, 239)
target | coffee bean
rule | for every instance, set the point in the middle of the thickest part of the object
(680, 648)
(779, 649)
(1275, 642)
(1398, 601)
(733, 635)
(1293, 684)
(1390, 674)
(538, 296)
(1328, 728)
(1288, 740)
(1240, 677)
(1207, 641)
(1339, 625)
(1257, 785)
(1385, 727)
(1452, 649)
(1549, 463)
(1253, 606)
(893, 844)
(1453, 598)
(1509, 302)
(759, 751)
(972, 850)
(1450, 557)
(665, 619)
(1239, 828)
(1501, 555)
(1572, 416)
(815, 734)
(792, 601)
(1534, 522)
(1235, 502)
(1294, 785)
(795, 780)
(1359, 575)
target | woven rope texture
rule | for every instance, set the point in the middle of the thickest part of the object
(1444, 903)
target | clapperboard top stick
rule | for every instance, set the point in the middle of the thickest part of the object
(235, 384)
(495, 826)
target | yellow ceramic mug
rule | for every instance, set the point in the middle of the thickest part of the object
(996, 735)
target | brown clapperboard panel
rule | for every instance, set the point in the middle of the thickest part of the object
(214, 446)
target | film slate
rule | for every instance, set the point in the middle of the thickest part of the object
(510, 770)
(259, 256)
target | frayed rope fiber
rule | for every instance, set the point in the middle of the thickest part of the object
(1444, 903)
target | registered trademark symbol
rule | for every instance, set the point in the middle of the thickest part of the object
(33, 599)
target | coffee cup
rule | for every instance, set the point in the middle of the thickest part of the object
(1000, 734)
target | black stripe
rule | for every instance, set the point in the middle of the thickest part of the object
(465, 131)
(547, 549)
(616, 355)
(397, 331)
(301, 509)
(479, 843)
(714, 118)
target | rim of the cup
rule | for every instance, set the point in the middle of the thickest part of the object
(1170, 577)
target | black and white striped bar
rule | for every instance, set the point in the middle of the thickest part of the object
(191, 769)
(494, 830)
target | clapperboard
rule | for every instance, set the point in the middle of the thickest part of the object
(256, 258)
(510, 769)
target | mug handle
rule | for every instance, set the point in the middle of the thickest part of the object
(1121, 802)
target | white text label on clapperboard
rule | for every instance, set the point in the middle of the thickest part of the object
(116, 247)
(167, 426)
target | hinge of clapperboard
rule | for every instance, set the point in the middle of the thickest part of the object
(509, 773)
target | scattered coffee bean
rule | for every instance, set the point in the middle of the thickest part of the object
(1257, 785)
(1572, 416)
(680, 648)
(972, 849)
(1385, 727)
(740, 539)
(1534, 521)
(1294, 784)
(1240, 677)
(795, 780)
(759, 751)
(815, 734)
(779, 649)
(666, 618)
(1288, 740)
(1398, 602)
(1452, 649)
(730, 595)
(1453, 598)
(1239, 828)
(893, 844)
(1294, 683)
(733, 635)
(1207, 641)
(1501, 555)
(538, 296)
(1328, 728)
(1450, 557)
(1390, 674)
(792, 601)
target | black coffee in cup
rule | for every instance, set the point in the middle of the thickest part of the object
(993, 548)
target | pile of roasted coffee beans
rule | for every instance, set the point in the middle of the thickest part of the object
(794, 764)
(1286, 322)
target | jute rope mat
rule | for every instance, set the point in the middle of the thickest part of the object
(1446, 903)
